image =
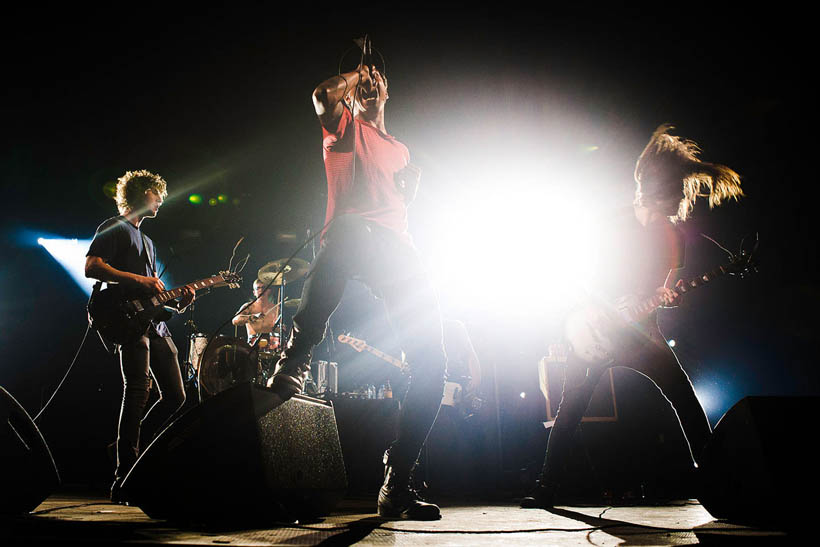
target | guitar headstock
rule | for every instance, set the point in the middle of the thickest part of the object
(357, 344)
(743, 262)
(231, 279)
(742, 265)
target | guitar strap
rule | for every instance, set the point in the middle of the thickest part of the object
(151, 260)
(148, 257)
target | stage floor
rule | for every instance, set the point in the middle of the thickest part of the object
(72, 518)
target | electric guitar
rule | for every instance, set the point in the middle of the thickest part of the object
(597, 333)
(454, 392)
(123, 320)
(361, 345)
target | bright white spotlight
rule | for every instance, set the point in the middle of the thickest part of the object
(671, 342)
(708, 397)
(523, 395)
(537, 239)
(70, 254)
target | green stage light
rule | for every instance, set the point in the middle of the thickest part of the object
(196, 199)
(110, 188)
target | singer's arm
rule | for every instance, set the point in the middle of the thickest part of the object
(329, 95)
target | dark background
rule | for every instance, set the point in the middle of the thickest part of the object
(218, 100)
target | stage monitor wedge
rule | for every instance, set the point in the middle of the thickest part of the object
(760, 466)
(28, 474)
(242, 455)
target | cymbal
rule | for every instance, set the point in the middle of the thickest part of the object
(296, 269)
(293, 303)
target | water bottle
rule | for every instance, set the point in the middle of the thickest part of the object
(381, 392)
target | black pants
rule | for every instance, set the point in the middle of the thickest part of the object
(651, 356)
(156, 356)
(353, 248)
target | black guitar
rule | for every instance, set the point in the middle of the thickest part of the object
(123, 320)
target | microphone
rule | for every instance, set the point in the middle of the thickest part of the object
(366, 45)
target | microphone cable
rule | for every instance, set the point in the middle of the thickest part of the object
(65, 376)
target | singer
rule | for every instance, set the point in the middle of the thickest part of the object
(370, 185)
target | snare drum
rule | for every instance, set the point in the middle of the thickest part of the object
(265, 342)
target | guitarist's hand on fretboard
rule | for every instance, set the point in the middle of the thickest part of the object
(151, 285)
(188, 296)
(669, 297)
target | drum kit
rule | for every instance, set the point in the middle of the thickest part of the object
(227, 361)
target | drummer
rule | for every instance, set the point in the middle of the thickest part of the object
(260, 316)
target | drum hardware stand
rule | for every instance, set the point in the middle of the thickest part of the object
(282, 314)
(189, 375)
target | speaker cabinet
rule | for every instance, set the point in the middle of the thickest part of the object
(242, 455)
(366, 429)
(760, 465)
(27, 471)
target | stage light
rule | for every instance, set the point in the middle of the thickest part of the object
(196, 199)
(523, 395)
(530, 245)
(222, 198)
(706, 397)
(212, 202)
(671, 343)
(70, 254)
(110, 189)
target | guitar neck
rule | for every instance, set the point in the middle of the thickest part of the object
(382, 355)
(359, 345)
(166, 296)
(696, 282)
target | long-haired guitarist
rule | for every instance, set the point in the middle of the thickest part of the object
(645, 249)
(122, 255)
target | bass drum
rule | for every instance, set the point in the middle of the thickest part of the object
(227, 362)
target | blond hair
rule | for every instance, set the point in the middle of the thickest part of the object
(669, 166)
(131, 188)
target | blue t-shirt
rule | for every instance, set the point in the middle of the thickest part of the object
(124, 247)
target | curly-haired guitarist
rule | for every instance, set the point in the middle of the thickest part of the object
(121, 255)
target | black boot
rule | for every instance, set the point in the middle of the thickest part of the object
(541, 497)
(293, 368)
(398, 500)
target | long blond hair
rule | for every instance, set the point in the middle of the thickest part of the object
(669, 165)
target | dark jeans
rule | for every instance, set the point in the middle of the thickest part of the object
(651, 356)
(158, 356)
(355, 249)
